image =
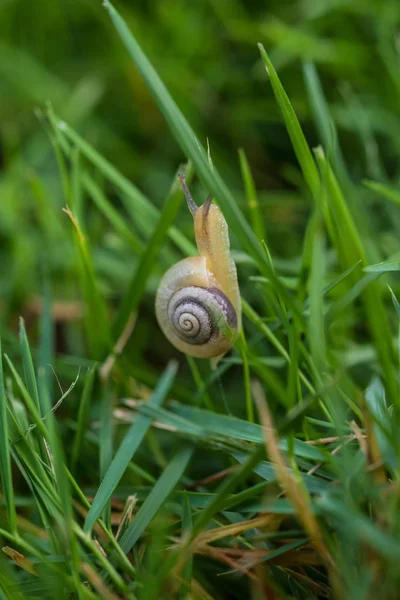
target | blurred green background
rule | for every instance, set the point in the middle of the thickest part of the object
(66, 53)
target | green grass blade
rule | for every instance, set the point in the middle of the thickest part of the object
(30, 403)
(301, 148)
(390, 193)
(46, 349)
(82, 421)
(111, 214)
(29, 370)
(232, 427)
(157, 497)
(324, 121)
(187, 525)
(316, 327)
(148, 259)
(256, 217)
(97, 321)
(106, 442)
(61, 479)
(128, 447)
(225, 489)
(352, 251)
(137, 204)
(187, 139)
(388, 266)
(5, 456)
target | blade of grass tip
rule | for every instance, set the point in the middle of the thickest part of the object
(157, 497)
(128, 447)
(5, 456)
(383, 267)
(187, 140)
(256, 217)
(83, 414)
(29, 371)
(300, 146)
(148, 259)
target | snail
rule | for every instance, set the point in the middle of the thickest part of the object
(198, 300)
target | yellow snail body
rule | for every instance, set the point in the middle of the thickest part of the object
(198, 300)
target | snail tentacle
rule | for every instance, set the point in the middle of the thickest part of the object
(190, 202)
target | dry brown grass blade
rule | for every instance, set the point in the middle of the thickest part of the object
(212, 478)
(221, 556)
(374, 456)
(197, 592)
(250, 558)
(265, 522)
(293, 489)
(97, 528)
(127, 513)
(62, 311)
(97, 582)
(20, 560)
(108, 364)
(304, 579)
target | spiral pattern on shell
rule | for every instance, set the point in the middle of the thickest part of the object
(197, 314)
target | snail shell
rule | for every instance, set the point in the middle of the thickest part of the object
(198, 299)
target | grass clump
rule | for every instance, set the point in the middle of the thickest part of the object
(129, 471)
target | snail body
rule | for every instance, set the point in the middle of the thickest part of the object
(198, 300)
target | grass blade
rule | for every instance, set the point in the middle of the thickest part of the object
(147, 260)
(83, 414)
(127, 449)
(97, 327)
(139, 206)
(256, 217)
(158, 495)
(390, 193)
(5, 456)
(29, 371)
(187, 139)
(301, 148)
(111, 214)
